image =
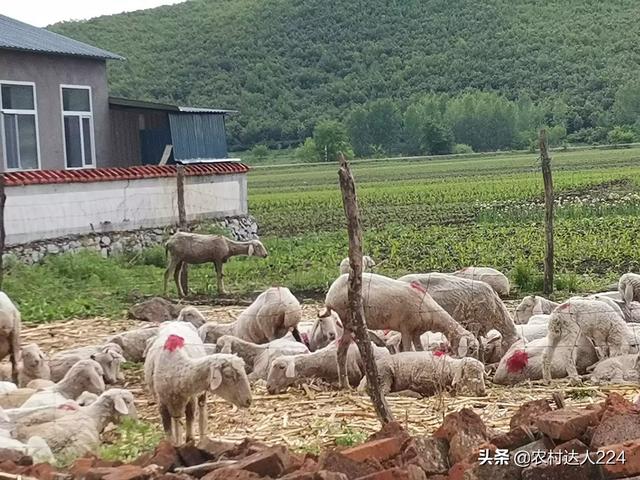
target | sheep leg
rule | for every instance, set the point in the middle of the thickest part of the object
(189, 414)
(343, 348)
(406, 342)
(417, 342)
(176, 278)
(202, 416)
(177, 430)
(14, 356)
(572, 371)
(219, 277)
(547, 357)
(166, 421)
(167, 273)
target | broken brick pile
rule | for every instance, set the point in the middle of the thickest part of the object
(458, 450)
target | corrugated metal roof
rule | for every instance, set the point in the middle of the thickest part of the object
(16, 35)
(196, 136)
(34, 177)
(145, 104)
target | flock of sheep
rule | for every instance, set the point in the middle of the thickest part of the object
(430, 333)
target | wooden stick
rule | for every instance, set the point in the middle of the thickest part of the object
(206, 467)
(356, 321)
(548, 212)
(182, 223)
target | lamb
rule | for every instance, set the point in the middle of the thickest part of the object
(629, 287)
(533, 305)
(109, 356)
(395, 305)
(275, 312)
(192, 315)
(85, 375)
(177, 370)
(523, 361)
(76, 434)
(620, 369)
(134, 342)
(427, 374)
(473, 304)
(193, 248)
(258, 358)
(10, 326)
(595, 319)
(494, 278)
(367, 264)
(34, 365)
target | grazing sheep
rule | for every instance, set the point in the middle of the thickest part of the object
(494, 278)
(275, 312)
(258, 358)
(33, 365)
(367, 264)
(533, 305)
(192, 315)
(428, 374)
(395, 305)
(620, 369)
(193, 248)
(10, 326)
(109, 356)
(523, 361)
(473, 304)
(595, 319)
(324, 331)
(78, 433)
(629, 287)
(177, 370)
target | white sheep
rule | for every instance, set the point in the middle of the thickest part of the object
(109, 356)
(275, 312)
(192, 315)
(596, 320)
(538, 319)
(630, 310)
(473, 304)
(533, 305)
(428, 374)
(258, 358)
(324, 331)
(620, 369)
(7, 387)
(494, 278)
(134, 342)
(523, 361)
(396, 305)
(629, 287)
(34, 364)
(10, 326)
(177, 370)
(367, 264)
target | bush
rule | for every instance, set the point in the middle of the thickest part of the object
(307, 152)
(621, 135)
(527, 277)
(462, 148)
(260, 152)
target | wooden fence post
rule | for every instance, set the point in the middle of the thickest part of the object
(356, 321)
(182, 224)
(545, 160)
(3, 200)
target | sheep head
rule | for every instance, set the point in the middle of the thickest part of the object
(110, 359)
(87, 374)
(120, 402)
(282, 374)
(469, 376)
(192, 315)
(34, 360)
(228, 379)
(325, 330)
(257, 249)
(525, 309)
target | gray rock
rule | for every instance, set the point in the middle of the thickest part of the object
(53, 248)
(106, 241)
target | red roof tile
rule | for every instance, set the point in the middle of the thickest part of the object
(121, 173)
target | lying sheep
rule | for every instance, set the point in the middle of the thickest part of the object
(620, 369)
(530, 332)
(178, 371)
(134, 342)
(192, 315)
(74, 435)
(494, 278)
(33, 365)
(193, 248)
(431, 341)
(538, 319)
(533, 305)
(109, 356)
(471, 303)
(596, 320)
(258, 358)
(428, 374)
(629, 287)
(10, 326)
(396, 305)
(275, 312)
(523, 361)
(367, 264)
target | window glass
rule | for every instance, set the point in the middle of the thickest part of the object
(11, 140)
(28, 142)
(72, 141)
(76, 100)
(17, 97)
(86, 135)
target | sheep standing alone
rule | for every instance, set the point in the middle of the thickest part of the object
(596, 320)
(629, 287)
(428, 374)
(367, 264)
(10, 326)
(33, 365)
(533, 305)
(109, 356)
(193, 248)
(494, 278)
(275, 312)
(395, 305)
(177, 371)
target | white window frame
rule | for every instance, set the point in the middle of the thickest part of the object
(13, 111)
(82, 115)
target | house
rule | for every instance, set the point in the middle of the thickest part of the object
(89, 154)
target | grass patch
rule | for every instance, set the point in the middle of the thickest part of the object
(350, 437)
(133, 438)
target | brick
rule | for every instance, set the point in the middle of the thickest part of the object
(229, 474)
(191, 455)
(573, 445)
(164, 456)
(464, 430)
(336, 462)
(14, 456)
(325, 475)
(616, 404)
(127, 472)
(516, 437)
(389, 474)
(389, 430)
(631, 464)
(429, 453)
(216, 448)
(381, 450)
(81, 466)
(561, 471)
(271, 462)
(614, 429)
(41, 471)
(566, 423)
(529, 412)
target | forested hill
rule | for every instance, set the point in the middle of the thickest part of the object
(285, 64)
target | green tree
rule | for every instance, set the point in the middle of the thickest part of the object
(307, 152)
(426, 131)
(330, 137)
(626, 106)
(260, 152)
(377, 124)
(620, 135)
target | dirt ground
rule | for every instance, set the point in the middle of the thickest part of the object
(312, 416)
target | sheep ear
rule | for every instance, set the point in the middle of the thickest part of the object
(250, 250)
(537, 309)
(93, 356)
(216, 379)
(121, 406)
(628, 294)
(290, 372)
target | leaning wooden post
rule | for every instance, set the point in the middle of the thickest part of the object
(356, 321)
(545, 160)
(182, 224)
(3, 200)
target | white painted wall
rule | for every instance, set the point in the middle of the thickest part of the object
(37, 212)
